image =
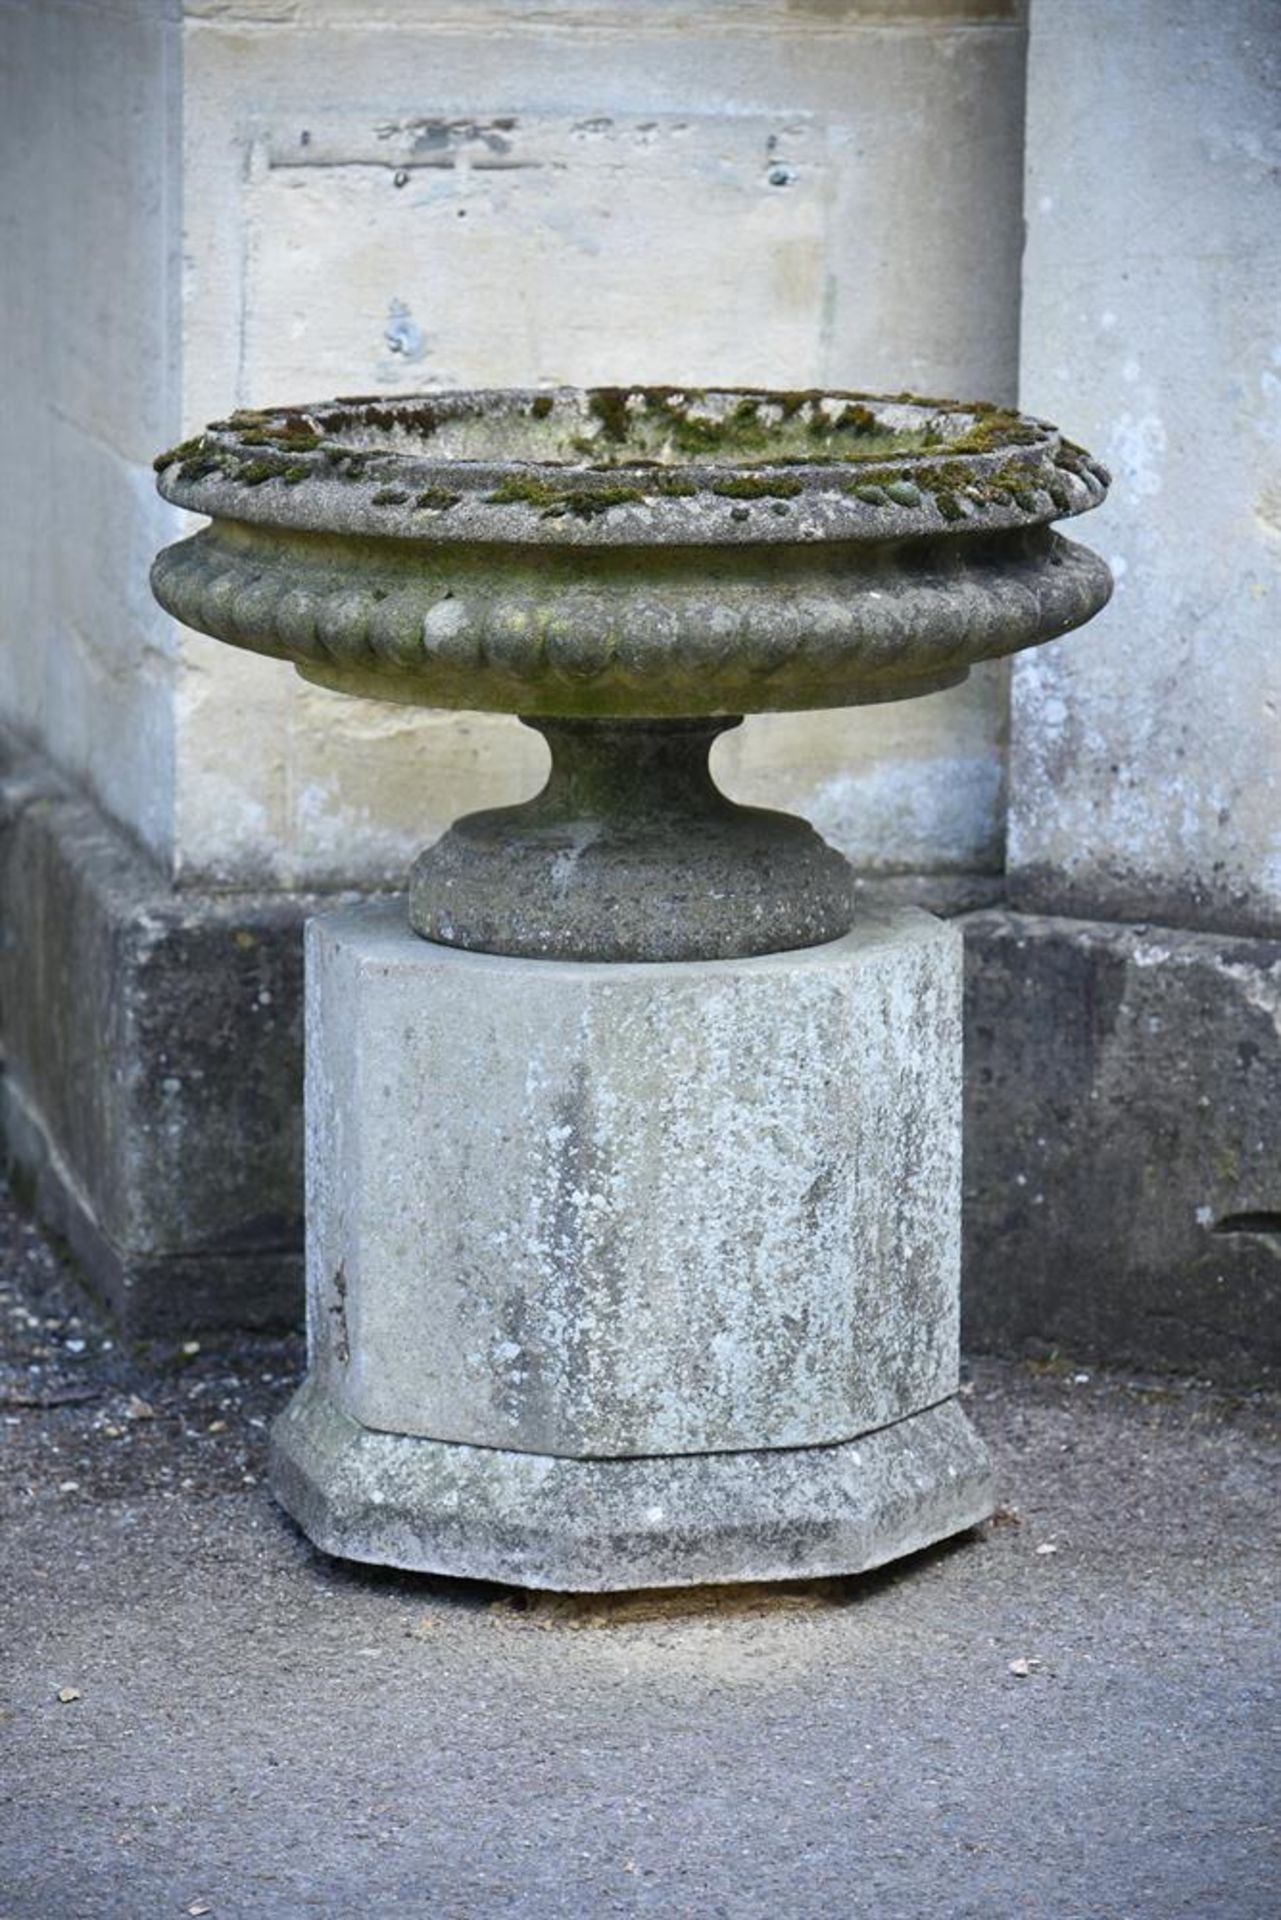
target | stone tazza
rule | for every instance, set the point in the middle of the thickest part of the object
(609, 562)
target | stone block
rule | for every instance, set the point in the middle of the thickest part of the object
(152, 1089)
(610, 1210)
(1123, 1145)
(1145, 757)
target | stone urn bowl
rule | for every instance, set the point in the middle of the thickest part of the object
(631, 571)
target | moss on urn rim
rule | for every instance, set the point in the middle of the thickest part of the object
(634, 466)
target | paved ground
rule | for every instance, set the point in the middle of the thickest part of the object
(1072, 1716)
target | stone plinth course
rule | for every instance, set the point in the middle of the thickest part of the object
(634, 1158)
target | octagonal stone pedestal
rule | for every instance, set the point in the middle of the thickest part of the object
(631, 1275)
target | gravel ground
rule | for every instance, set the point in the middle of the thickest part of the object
(1069, 1715)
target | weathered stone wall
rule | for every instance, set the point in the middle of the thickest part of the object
(1124, 1081)
(1146, 759)
(89, 239)
(1123, 1097)
(151, 1098)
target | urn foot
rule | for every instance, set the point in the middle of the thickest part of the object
(631, 852)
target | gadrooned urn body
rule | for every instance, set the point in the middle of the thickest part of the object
(632, 552)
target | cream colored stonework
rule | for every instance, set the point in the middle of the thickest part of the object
(1146, 765)
(352, 196)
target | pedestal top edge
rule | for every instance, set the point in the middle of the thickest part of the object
(378, 932)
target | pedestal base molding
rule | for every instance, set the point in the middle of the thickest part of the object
(487, 1513)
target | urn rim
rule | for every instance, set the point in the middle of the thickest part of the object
(635, 466)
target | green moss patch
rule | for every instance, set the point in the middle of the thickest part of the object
(553, 499)
(747, 486)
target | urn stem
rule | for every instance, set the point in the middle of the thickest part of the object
(631, 852)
